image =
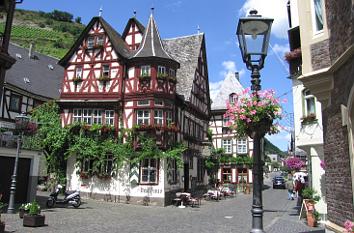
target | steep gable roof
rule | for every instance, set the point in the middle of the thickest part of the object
(118, 43)
(186, 51)
(151, 44)
(41, 76)
(229, 85)
(127, 27)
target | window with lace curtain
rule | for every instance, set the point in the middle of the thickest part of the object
(317, 15)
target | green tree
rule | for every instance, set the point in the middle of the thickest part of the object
(50, 136)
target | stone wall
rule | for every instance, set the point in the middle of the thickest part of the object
(320, 55)
(339, 193)
(340, 25)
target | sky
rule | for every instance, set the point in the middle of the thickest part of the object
(218, 20)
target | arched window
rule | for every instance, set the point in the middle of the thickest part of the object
(233, 98)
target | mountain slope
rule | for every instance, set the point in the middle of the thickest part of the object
(51, 33)
(270, 148)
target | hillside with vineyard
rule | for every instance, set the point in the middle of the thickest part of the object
(51, 33)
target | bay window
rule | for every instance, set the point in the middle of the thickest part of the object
(145, 71)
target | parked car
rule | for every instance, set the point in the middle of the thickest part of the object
(279, 182)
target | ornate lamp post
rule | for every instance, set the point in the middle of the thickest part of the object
(253, 34)
(22, 121)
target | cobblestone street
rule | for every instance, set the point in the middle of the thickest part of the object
(230, 215)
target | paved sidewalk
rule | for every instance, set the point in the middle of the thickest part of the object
(288, 222)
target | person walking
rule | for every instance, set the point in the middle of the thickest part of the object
(290, 187)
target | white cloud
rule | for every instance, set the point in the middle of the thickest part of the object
(229, 68)
(281, 49)
(275, 9)
(214, 88)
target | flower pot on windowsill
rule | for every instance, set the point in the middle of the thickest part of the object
(104, 79)
(77, 80)
(33, 220)
(309, 119)
(144, 77)
(172, 79)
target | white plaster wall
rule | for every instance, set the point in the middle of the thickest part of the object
(118, 185)
(309, 134)
(128, 39)
(138, 38)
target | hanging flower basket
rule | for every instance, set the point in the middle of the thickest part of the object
(294, 54)
(253, 114)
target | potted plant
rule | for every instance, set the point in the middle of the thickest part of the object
(311, 218)
(310, 198)
(294, 54)
(253, 113)
(2, 224)
(77, 80)
(24, 208)
(33, 218)
(310, 118)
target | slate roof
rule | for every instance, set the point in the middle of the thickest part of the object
(151, 44)
(186, 51)
(118, 43)
(228, 86)
(35, 75)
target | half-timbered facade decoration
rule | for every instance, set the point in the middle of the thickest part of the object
(31, 81)
(223, 137)
(138, 81)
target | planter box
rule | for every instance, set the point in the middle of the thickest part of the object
(33, 220)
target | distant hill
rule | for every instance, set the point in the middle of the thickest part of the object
(270, 148)
(51, 33)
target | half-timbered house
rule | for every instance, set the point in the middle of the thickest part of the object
(139, 81)
(230, 173)
(32, 80)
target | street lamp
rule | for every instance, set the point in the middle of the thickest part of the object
(21, 122)
(253, 34)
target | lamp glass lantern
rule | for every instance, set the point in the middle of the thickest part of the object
(253, 34)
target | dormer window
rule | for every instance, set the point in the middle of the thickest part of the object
(100, 40)
(105, 70)
(145, 71)
(78, 72)
(90, 42)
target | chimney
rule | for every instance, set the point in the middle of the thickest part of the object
(30, 51)
(237, 76)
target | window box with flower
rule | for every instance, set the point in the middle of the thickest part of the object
(309, 119)
(104, 78)
(252, 113)
(77, 80)
(33, 218)
(292, 55)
